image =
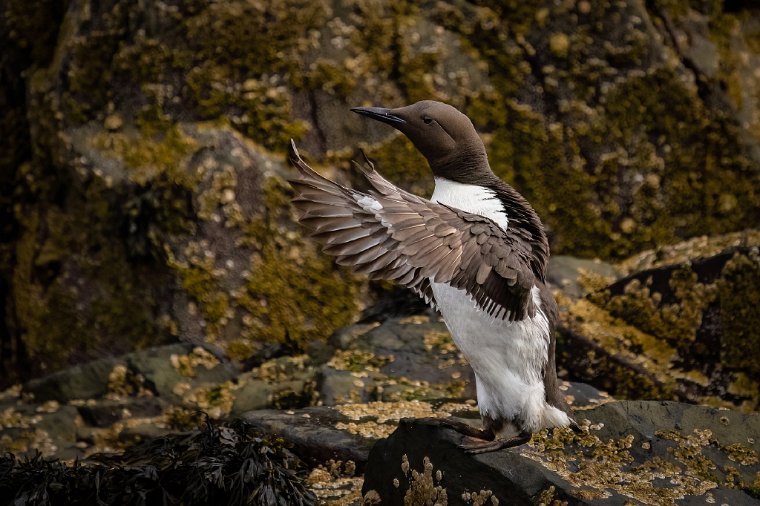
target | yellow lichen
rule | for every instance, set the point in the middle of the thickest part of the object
(215, 400)
(677, 323)
(738, 452)
(622, 340)
(358, 360)
(281, 369)
(187, 364)
(599, 467)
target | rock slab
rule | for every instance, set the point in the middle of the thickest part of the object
(631, 452)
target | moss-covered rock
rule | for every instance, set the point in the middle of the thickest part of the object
(144, 213)
(182, 233)
(686, 330)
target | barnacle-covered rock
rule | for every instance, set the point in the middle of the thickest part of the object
(684, 327)
(146, 148)
(628, 452)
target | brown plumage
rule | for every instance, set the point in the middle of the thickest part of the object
(409, 239)
(476, 249)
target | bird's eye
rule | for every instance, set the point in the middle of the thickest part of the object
(427, 120)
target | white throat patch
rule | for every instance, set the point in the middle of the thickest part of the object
(471, 198)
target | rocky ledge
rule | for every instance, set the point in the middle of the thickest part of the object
(656, 326)
(629, 452)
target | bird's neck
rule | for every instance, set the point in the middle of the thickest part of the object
(466, 166)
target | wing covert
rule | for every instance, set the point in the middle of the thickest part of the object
(389, 233)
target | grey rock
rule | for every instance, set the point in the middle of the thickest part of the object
(565, 272)
(79, 382)
(436, 361)
(632, 452)
(313, 434)
(321, 433)
(108, 412)
(49, 432)
(294, 393)
(254, 394)
(615, 80)
(340, 387)
(155, 365)
(583, 395)
(685, 330)
(90, 380)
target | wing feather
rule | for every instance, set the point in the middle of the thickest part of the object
(391, 234)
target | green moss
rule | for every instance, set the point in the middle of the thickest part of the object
(583, 189)
(250, 38)
(89, 75)
(183, 418)
(94, 300)
(358, 361)
(293, 293)
(723, 28)
(738, 295)
(202, 282)
(686, 200)
(578, 152)
(678, 322)
(753, 489)
(673, 7)
(379, 35)
(622, 380)
(293, 395)
(233, 59)
(327, 76)
(614, 362)
(247, 84)
(149, 156)
(483, 32)
(260, 108)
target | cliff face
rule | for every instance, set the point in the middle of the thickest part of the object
(142, 171)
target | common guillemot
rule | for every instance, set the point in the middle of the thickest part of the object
(476, 251)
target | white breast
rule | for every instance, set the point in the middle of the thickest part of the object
(471, 198)
(508, 358)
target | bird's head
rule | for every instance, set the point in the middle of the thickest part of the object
(445, 136)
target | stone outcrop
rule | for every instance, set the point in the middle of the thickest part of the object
(143, 207)
(142, 197)
(630, 452)
(334, 403)
(682, 327)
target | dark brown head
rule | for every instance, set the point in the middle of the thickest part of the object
(445, 136)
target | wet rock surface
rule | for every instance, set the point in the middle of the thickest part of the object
(631, 452)
(315, 434)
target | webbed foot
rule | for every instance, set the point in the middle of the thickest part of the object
(457, 425)
(474, 446)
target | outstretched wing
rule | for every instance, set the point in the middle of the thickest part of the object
(388, 233)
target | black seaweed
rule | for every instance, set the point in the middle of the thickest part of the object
(216, 464)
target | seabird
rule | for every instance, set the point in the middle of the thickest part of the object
(476, 251)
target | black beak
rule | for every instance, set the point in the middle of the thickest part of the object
(380, 114)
